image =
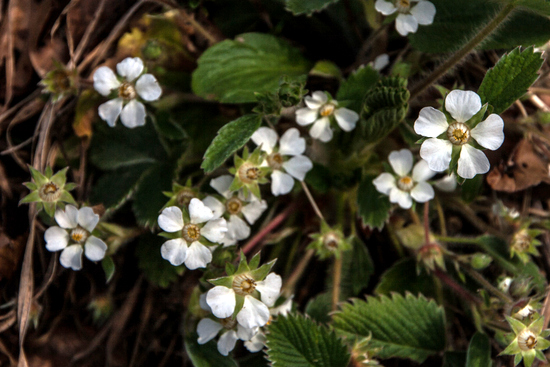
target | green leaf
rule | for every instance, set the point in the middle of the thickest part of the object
(299, 342)
(472, 188)
(392, 280)
(231, 71)
(357, 269)
(326, 69)
(319, 307)
(374, 207)
(308, 7)
(157, 270)
(206, 355)
(509, 79)
(479, 351)
(356, 86)
(115, 188)
(230, 138)
(538, 6)
(148, 198)
(403, 327)
(108, 267)
(454, 359)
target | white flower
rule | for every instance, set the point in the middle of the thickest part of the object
(284, 169)
(381, 62)
(401, 187)
(319, 111)
(188, 248)
(146, 87)
(462, 106)
(410, 16)
(254, 313)
(75, 226)
(234, 207)
(208, 329)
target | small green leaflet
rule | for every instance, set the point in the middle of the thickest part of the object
(479, 351)
(374, 207)
(308, 7)
(510, 78)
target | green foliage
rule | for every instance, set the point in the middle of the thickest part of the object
(308, 7)
(108, 266)
(290, 93)
(472, 188)
(157, 270)
(479, 351)
(510, 78)
(374, 207)
(385, 106)
(232, 71)
(206, 355)
(416, 283)
(403, 327)
(454, 359)
(356, 86)
(299, 342)
(319, 308)
(538, 6)
(230, 138)
(357, 268)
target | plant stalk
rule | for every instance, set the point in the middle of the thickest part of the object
(336, 282)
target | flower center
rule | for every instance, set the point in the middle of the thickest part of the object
(191, 232)
(521, 241)
(234, 205)
(403, 6)
(228, 323)
(275, 160)
(327, 110)
(405, 183)
(184, 197)
(248, 173)
(244, 285)
(527, 340)
(49, 192)
(127, 91)
(331, 241)
(458, 133)
(79, 234)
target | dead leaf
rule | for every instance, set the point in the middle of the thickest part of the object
(10, 254)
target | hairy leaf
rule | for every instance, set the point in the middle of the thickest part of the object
(357, 269)
(356, 86)
(374, 207)
(392, 280)
(479, 351)
(309, 7)
(538, 6)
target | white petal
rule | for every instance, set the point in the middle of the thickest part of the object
(401, 197)
(489, 133)
(384, 183)
(227, 342)
(71, 257)
(199, 212)
(56, 238)
(270, 288)
(266, 138)
(316, 100)
(321, 130)
(281, 183)
(430, 123)
(198, 256)
(422, 192)
(130, 68)
(237, 229)
(424, 12)
(221, 184)
(305, 116)
(94, 249)
(283, 309)
(381, 62)
(254, 210)
(405, 24)
(222, 301)
(174, 251)
(256, 344)
(171, 219)
(67, 218)
(133, 114)
(244, 333)
(227, 242)
(384, 7)
(462, 104)
(105, 81)
(253, 314)
(148, 88)
(203, 304)
(346, 118)
(447, 183)
(207, 330)
(422, 172)
(110, 110)
(401, 161)
(215, 205)
(437, 153)
(472, 161)
(292, 143)
(298, 166)
(87, 219)
(214, 230)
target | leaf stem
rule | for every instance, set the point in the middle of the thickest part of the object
(312, 201)
(337, 281)
(463, 293)
(288, 288)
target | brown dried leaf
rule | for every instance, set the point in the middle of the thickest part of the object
(10, 254)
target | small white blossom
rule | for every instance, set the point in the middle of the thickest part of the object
(401, 187)
(126, 105)
(410, 15)
(285, 170)
(319, 111)
(462, 106)
(75, 227)
(208, 329)
(190, 248)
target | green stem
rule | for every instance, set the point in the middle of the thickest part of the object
(472, 241)
(465, 50)
(486, 284)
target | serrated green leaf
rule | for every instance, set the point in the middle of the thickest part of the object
(403, 327)
(232, 71)
(206, 355)
(374, 207)
(157, 270)
(230, 138)
(357, 268)
(299, 342)
(108, 267)
(393, 280)
(479, 351)
(510, 78)
(356, 86)
(308, 7)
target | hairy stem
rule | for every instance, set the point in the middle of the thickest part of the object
(290, 284)
(337, 281)
(486, 284)
(463, 293)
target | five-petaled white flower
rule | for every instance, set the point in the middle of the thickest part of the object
(403, 188)
(234, 207)
(146, 87)
(254, 313)
(410, 16)
(208, 329)
(75, 226)
(284, 170)
(462, 106)
(188, 248)
(318, 112)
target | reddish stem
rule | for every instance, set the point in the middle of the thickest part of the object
(463, 293)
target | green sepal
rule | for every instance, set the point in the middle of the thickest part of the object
(39, 206)
(229, 268)
(31, 186)
(256, 156)
(542, 344)
(236, 184)
(60, 178)
(260, 273)
(170, 235)
(422, 140)
(255, 261)
(243, 265)
(38, 177)
(49, 208)
(48, 172)
(517, 359)
(476, 119)
(255, 190)
(67, 197)
(238, 304)
(529, 358)
(30, 198)
(517, 326)
(512, 348)
(537, 325)
(223, 282)
(70, 186)
(108, 267)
